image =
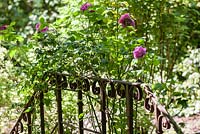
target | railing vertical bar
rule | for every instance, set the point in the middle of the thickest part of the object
(80, 111)
(29, 123)
(103, 106)
(95, 113)
(54, 128)
(59, 110)
(42, 124)
(129, 109)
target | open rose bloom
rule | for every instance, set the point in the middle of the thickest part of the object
(139, 52)
(85, 6)
(126, 20)
(37, 27)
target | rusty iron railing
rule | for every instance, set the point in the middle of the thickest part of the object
(98, 86)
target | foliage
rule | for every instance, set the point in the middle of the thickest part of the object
(188, 75)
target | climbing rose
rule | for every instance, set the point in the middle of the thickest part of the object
(37, 27)
(4, 27)
(126, 20)
(139, 52)
(85, 6)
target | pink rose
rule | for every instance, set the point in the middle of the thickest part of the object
(44, 30)
(37, 27)
(139, 52)
(126, 20)
(85, 6)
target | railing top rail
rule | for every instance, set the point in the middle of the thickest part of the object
(95, 78)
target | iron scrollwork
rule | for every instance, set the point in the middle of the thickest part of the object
(73, 85)
(148, 104)
(138, 94)
(98, 87)
(112, 91)
(151, 105)
(95, 88)
(19, 126)
(121, 90)
(86, 85)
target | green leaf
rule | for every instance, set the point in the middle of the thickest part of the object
(140, 41)
(184, 103)
(12, 23)
(120, 58)
(12, 53)
(81, 116)
(19, 38)
(157, 86)
(156, 62)
(42, 20)
(47, 102)
(28, 109)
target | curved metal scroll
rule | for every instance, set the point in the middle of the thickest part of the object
(112, 92)
(86, 85)
(138, 94)
(95, 89)
(152, 106)
(121, 90)
(73, 85)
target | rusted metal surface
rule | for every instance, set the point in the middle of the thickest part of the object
(151, 104)
(42, 124)
(80, 111)
(29, 123)
(98, 86)
(103, 105)
(59, 111)
(129, 109)
(58, 90)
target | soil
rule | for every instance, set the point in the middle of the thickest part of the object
(189, 125)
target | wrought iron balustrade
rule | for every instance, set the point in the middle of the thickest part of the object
(105, 89)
